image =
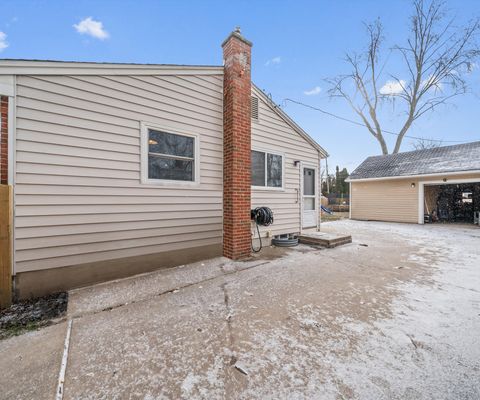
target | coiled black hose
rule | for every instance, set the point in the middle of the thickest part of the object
(262, 216)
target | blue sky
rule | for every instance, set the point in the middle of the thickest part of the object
(297, 44)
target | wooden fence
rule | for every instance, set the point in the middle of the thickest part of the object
(5, 245)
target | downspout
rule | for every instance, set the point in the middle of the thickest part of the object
(319, 191)
(12, 136)
(326, 166)
(350, 200)
(300, 195)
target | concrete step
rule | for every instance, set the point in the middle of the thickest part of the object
(323, 239)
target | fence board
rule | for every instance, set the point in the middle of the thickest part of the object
(5, 246)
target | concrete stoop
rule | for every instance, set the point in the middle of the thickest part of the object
(324, 239)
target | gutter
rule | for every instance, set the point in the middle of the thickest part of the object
(419, 176)
(33, 67)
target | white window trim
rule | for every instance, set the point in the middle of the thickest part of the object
(144, 127)
(269, 188)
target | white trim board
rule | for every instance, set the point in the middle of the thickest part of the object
(349, 200)
(387, 178)
(421, 192)
(12, 141)
(32, 67)
(7, 85)
(303, 165)
(12, 106)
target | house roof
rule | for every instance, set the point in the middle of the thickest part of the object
(282, 114)
(49, 67)
(436, 161)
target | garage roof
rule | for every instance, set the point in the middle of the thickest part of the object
(439, 160)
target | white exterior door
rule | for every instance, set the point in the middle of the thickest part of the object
(309, 196)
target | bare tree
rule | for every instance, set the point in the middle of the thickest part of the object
(436, 58)
(425, 144)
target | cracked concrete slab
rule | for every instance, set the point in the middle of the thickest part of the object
(239, 313)
(30, 363)
(172, 346)
(394, 315)
(111, 294)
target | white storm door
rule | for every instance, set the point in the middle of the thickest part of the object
(309, 197)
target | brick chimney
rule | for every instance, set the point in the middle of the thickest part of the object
(236, 146)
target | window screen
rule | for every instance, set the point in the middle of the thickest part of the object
(274, 170)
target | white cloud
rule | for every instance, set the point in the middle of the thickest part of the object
(393, 87)
(89, 26)
(313, 92)
(3, 41)
(274, 61)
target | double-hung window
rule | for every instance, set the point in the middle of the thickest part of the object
(169, 157)
(267, 169)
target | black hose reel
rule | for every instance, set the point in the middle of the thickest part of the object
(262, 216)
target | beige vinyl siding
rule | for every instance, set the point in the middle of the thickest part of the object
(392, 200)
(272, 133)
(78, 193)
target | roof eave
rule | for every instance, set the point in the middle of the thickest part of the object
(38, 67)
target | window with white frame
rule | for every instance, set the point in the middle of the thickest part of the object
(267, 169)
(170, 156)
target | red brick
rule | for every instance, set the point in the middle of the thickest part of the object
(3, 140)
(237, 145)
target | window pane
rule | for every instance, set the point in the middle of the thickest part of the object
(274, 170)
(308, 203)
(308, 182)
(168, 143)
(168, 168)
(258, 168)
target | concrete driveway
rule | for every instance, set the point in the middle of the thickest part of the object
(394, 315)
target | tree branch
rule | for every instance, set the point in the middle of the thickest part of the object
(437, 56)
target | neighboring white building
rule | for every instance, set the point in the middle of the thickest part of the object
(119, 169)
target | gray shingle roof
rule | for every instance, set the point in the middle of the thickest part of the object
(457, 158)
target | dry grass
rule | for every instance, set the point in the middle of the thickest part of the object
(335, 217)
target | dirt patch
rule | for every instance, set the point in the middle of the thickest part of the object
(268, 253)
(32, 314)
